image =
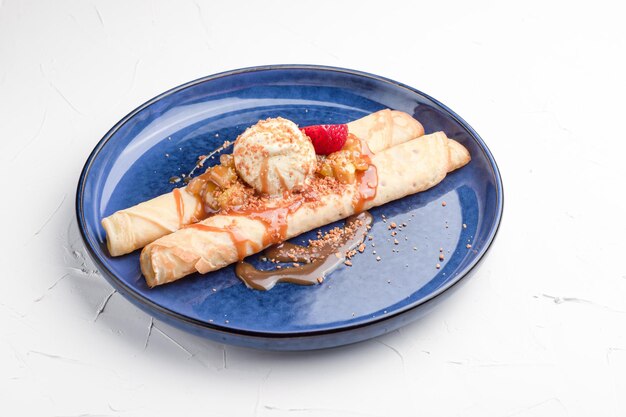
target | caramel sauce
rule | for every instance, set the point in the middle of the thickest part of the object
(322, 259)
(291, 252)
(197, 184)
(274, 219)
(281, 179)
(264, 175)
(180, 205)
(199, 187)
(241, 243)
(367, 181)
(199, 213)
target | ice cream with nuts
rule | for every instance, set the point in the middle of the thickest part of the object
(274, 156)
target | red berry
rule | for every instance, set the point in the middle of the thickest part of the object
(327, 138)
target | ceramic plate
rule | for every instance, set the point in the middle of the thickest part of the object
(163, 138)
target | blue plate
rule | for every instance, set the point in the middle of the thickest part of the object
(163, 137)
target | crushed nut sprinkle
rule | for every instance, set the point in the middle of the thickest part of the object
(332, 239)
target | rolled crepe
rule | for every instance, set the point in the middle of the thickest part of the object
(386, 128)
(135, 227)
(220, 240)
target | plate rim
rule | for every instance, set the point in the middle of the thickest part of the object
(149, 304)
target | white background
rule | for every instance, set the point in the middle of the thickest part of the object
(539, 331)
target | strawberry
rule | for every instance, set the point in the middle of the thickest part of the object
(326, 138)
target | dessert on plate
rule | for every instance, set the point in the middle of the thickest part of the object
(135, 227)
(279, 182)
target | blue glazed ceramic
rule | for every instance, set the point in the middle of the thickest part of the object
(164, 137)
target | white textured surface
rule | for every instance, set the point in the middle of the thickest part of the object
(540, 331)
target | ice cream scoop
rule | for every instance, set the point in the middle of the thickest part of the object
(274, 156)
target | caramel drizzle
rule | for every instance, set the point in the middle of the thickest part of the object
(367, 181)
(275, 220)
(180, 206)
(283, 183)
(199, 213)
(320, 260)
(264, 175)
(292, 252)
(239, 241)
(198, 188)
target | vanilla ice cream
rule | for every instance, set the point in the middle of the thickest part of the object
(274, 156)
